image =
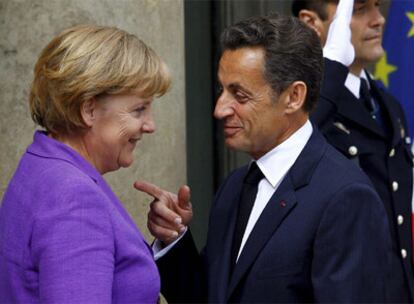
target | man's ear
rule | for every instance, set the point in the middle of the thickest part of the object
(88, 111)
(311, 19)
(296, 95)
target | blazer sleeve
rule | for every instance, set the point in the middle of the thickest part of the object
(352, 248)
(73, 248)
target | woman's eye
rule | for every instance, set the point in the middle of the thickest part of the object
(140, 110)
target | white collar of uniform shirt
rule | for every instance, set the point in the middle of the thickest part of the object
(274, 165)
(353, 82)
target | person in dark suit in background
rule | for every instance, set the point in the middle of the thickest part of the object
(368, 126)
(300, 223)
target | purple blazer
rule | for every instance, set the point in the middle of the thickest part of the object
(65, 237)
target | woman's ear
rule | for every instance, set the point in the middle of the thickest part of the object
(88, 111)
(311, 19)
(296, 97)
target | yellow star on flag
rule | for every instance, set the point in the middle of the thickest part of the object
(410, 16)
(383, 69)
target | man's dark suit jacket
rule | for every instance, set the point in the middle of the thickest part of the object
(384, 156)
(323, 236)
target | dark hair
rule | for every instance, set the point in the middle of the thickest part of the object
(317, 6)
(292, 51)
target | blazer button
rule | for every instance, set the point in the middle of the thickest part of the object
(352, 150)
(403, 253)
(394, 186)
(400, 219)
(392, 152)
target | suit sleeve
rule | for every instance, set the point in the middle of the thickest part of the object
(183, 269)
(352, 248)
(333, 83)
(73, 248)
(183, 273)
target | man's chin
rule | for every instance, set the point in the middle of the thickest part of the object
(375, 54)
(232, 144)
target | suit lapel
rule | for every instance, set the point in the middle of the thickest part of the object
(352, 109)
(397, 130)
(279, 206)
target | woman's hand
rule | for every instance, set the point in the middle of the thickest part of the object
(169, 213)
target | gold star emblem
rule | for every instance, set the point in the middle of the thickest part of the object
(410, 16)
(383, 69)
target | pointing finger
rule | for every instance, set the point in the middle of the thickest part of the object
(148, 188)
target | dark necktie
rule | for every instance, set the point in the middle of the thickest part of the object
(247, 198)
(365, 96)
(370, 104)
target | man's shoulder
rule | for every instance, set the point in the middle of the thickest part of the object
(387, 97)
(331, 167)
(336, 171)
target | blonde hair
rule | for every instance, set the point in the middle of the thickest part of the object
(87, 61)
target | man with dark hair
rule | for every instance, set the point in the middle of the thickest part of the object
(300, 223)
(367, 125)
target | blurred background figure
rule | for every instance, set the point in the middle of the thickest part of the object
(368, 125)
(64, 235)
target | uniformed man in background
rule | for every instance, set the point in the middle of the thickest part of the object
(367, 124)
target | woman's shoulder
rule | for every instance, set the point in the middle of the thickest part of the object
(45, 184)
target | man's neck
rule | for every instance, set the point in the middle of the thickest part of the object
(356, 69)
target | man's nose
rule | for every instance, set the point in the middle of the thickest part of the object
(377, 19)
(223, 107)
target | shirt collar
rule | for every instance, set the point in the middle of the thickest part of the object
(277, 162)
(353, 82)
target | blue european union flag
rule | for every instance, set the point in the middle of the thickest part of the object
(396, 68)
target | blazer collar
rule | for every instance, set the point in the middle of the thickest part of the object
(47, 147)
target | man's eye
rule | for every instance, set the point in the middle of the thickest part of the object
(359, 9)
(241, 97)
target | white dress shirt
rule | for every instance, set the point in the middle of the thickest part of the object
(353, 83)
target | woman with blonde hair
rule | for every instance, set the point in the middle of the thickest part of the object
(64, 235)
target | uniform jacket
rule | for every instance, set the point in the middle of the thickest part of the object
(385, 156)
(323, 236)
(66, 238)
